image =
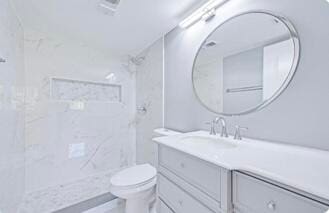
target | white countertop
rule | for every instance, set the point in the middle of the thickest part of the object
(302, 168)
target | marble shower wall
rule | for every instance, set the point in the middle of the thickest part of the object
(83, 128)
(149, 94)
(11, 110)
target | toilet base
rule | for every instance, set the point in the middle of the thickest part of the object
(141, 204)
(138, 205)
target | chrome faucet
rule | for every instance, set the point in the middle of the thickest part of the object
(215, 121)
(237, 134)
(223, 132)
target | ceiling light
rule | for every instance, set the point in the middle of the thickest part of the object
(210, 44)
(108, 7)
(206, 12)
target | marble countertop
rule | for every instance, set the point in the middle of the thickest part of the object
(302, 168)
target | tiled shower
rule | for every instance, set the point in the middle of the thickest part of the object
(69, 112)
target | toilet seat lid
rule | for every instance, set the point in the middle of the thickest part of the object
(135, 175)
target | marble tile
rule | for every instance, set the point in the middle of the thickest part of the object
(58, 197)
(55, 148)
(73, 90)
(149, 94)
(82, 130)
(11, 110)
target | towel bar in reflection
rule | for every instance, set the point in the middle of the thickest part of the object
(244, 89)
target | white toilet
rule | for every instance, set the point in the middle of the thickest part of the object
(137, 186)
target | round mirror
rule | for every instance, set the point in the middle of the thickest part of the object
(245, 63)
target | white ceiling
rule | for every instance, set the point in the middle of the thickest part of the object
(137, 23)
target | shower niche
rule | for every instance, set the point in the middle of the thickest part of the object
(84, 91)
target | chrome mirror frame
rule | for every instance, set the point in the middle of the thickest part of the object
(293, 69)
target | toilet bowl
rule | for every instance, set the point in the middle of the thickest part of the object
(136, 185)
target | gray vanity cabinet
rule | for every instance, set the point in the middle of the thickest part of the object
(163, 208)
(187, 184)
(253, 195)
(178, 199)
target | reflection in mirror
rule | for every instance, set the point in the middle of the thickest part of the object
(245, 63)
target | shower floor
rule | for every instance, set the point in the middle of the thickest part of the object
(57, 198)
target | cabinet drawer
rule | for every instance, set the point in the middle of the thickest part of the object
(203, 175)
(163, 208)
(256, 196)
(177, 199)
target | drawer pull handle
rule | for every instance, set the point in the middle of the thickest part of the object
(271, 205)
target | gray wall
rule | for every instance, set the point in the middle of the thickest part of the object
(299, 116)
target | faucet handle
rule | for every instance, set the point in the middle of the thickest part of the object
(237, 134)
(212, 127)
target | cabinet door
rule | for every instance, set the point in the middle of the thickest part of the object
(179, 200)
(251, 195)
(201, 174)
(163, 208)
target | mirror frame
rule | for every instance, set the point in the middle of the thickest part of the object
(293, 69)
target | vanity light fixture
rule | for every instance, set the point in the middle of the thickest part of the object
(209, 15)
(206, 12)
(210, 44)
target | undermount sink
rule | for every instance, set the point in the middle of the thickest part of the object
(200, 142)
